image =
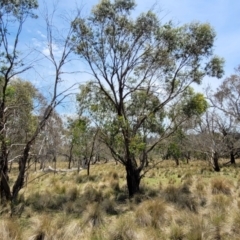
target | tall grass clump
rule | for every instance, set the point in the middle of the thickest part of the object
(181, 196)
(93, 215)
(220, 185)
(152, 213)
(124, 228)
(176, 232)
(10, 229)
(42, 227)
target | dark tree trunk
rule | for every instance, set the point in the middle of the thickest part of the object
(88, 166)
(188, 157)
(5, 189)
(55, 163)
(70, 157)
(177, 161)
(133, 180)
(232, 158)
(4, 186)
(215, 162)
(79, 163)
(22, 169)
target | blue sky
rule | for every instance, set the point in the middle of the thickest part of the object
(223, 15)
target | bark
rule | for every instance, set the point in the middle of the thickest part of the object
(215, 162)
(70, 157)
(232, 158)
(5, 189)
(133, 179)
(22, 169)
(4, 186)
(177, 161)
(88, 166)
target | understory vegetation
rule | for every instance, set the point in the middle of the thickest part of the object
(190, 201)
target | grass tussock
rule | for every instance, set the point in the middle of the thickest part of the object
(176, 232)
(124, 229)
(181, 197)
(10, 229)
(173, 203)
(221, 185)
(152, 213)
(93, 215)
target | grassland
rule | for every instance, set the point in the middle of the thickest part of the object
(186, 202)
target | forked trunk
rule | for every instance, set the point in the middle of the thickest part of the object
(133, 180)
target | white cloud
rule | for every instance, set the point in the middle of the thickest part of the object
(41, 34)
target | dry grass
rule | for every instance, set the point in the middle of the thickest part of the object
(188, 202)
(221, 185)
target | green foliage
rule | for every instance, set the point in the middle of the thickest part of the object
(140, 67)
(19, 8)
(215, 67)
(80, 134)
(195, 104)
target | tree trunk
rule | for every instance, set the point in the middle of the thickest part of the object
(215, 162)
(4, 186)
(232, 158)
(22, 169)
(133, 180)
(5, 189)
(70, 157)
(88, 166)
(177, 161)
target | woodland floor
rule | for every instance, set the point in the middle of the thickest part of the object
(185, 202)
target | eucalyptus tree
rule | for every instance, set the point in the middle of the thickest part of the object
(227, 96)
(13, 14)
(228, 126)
(186, 115)
(125, 55)
(50, 140)
(210, 139)
(21, 97)
(226, 99)
(12, 64)
(83, 141)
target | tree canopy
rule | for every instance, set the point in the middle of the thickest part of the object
(140, 61)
